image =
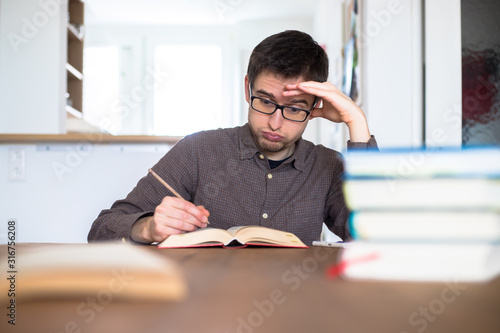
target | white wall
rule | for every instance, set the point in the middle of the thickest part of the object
(328, 32)
(443, 78)
(392, 71)
(67, 185)
(32, 66)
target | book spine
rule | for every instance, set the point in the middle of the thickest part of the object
(352, 224)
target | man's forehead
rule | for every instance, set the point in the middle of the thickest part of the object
(277, 79)
(272, 87)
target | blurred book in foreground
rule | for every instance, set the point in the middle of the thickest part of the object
(108, 270)
(433, 261)
(427, 193)
(424, 163)
(418, 225)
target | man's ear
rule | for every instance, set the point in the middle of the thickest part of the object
(247, 90)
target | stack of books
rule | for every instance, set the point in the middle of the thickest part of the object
(423, 215)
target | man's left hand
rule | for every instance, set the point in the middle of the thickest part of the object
(334, 106)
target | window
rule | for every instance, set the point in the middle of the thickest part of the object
(480, 73)
(188, 90)
(101, 87)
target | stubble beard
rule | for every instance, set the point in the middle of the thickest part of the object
(266, 146)
(271, 147)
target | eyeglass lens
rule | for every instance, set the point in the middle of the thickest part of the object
(268, 107)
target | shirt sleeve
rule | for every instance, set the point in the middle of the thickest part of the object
(336, 212)
(116, 222)
(371, 144)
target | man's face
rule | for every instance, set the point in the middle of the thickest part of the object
(274, 135)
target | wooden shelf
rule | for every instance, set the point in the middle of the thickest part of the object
(76, 11)
(74, 34)
(95, 138)
(74, 62)
(74, 89)
(73, 72)
(72, 112)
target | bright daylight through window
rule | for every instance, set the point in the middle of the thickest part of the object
(188, 96)
(101, 74)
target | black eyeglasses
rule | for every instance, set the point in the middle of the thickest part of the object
(266, 106)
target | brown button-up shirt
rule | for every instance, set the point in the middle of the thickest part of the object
(224, 171)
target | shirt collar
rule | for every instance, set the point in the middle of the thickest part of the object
(248, 149)
(247, 145)
(299, 155)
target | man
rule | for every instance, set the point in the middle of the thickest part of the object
(262, 173)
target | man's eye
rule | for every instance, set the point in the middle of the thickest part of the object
(266, 102)
(294, 110)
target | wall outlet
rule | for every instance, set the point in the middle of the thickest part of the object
(17, 164)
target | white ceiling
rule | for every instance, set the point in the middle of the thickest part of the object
(194, 12)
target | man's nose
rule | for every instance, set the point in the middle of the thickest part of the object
(276, 119)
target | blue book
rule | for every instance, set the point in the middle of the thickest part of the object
(423, 163)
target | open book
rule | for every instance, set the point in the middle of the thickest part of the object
(235, 237)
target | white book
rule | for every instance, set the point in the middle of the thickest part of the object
(424, 163)
(423, 262)
(440, 193)
(440, 225)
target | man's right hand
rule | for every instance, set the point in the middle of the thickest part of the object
(172, 216)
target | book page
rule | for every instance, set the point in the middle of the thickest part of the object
(201, 236)
(258, 234)
(234, 230)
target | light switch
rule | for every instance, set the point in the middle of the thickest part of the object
(17, 164)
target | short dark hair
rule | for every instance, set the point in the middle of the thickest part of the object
(289, 54)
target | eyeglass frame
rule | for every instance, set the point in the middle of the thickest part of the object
(281, 107)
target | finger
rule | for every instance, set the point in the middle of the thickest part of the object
(164, 225)
(320, 89)
(330, 94)
(204, 211)
(180, 209)
(294, 90)
(167, 225)
(316, 113)
(160, 231)
(199, 212)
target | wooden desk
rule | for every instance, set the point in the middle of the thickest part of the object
(275, 290)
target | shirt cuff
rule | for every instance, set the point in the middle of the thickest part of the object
(371, 144)
(115, 227)
(132, 219)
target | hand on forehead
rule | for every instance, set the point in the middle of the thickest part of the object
(274, 86)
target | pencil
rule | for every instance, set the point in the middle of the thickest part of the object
(167, 186)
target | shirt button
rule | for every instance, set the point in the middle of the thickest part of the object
(265, 216)
(261, 156)
(270, 176)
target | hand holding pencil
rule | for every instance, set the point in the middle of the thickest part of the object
(170, 188)
(174, 215)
